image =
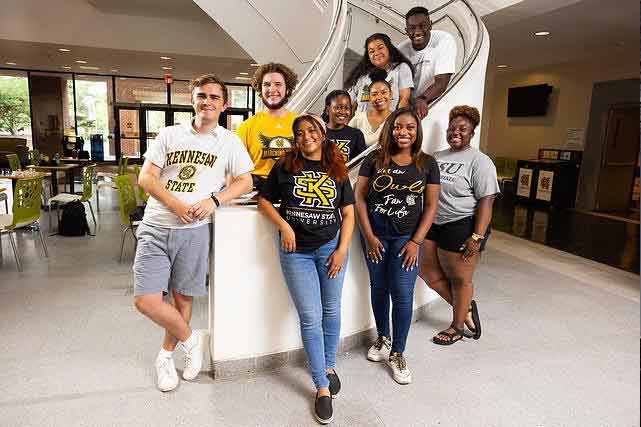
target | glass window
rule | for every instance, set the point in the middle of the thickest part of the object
(233, 121)
(182, 117)
(52, 107)
(15, 117)
(238, 96)
(94, 107)
(180, 94)
(141, 91)
(129, 133)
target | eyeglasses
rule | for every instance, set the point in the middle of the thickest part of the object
(412, 28)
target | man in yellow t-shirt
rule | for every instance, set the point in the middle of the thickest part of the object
(268, 134)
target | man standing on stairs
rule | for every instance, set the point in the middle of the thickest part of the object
(184, 173)
(433, 54)
(268, 133)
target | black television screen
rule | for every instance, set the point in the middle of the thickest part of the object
(528, 100)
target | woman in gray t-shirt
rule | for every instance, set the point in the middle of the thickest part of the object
(382, 54)
(461, 226)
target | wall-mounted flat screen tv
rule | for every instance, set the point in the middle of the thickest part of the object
(528, 100)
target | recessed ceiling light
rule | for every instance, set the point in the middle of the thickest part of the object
(87, 67)
(66, 67)
(542, 33)
(243, 78)
(122, 78)
(80, 61)
(501, 66)
(63, 49)
(166, 58)
(11, 63)
(244, 74)
(167, 68)
(254, 64)
(114, 70)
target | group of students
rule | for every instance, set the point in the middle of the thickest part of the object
(416, 212)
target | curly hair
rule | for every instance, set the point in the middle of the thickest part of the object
(365, 65)
(291, 78)
(208, 79)
(332, 161)
(465, 111)
(388, 144)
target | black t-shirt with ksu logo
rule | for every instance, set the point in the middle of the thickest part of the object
(396, 192)
(349, 140)
(310, 202)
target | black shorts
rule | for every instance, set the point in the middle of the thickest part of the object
(451, 235)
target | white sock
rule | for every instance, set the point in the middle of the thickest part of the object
(190, 342)
(165, 353)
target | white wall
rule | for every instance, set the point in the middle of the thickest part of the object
(77, 23)
(521, 137)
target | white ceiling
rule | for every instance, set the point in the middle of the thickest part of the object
(580, 30)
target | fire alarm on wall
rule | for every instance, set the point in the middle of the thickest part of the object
(168, 79)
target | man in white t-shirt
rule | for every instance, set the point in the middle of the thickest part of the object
(184, 173)
(433, 54)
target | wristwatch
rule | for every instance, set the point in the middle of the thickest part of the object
(215, 199)
(477, 237)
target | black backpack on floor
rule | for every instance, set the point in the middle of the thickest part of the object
(73, 221)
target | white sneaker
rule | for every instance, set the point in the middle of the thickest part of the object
(193, 358)
(166, 374)
(400, 372)
(380, 350)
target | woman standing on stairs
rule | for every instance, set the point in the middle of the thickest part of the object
(462, 225)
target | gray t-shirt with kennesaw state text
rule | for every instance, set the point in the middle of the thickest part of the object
(466, 176)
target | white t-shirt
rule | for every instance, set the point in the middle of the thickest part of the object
(359, 121)
(193, 166)
(399, 77)
(438, 57)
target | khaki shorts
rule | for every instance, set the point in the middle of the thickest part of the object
(176, 258)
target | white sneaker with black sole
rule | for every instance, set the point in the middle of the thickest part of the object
(167, 377)
(400, 372)
(380, 350)
(193, 357)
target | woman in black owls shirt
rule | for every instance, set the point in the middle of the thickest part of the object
(396, 198)
(315, 221)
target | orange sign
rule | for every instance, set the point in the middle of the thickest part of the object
(168, 79)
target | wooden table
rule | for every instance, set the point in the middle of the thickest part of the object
(67, 169)
(71, 159)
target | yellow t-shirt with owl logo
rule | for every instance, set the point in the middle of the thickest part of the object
(266, 139)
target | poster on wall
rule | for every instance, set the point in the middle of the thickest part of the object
(525, 182)
(574, 138)
(544, 185)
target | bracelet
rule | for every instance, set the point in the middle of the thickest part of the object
(415, 242)
(215, 199)
(477, 237)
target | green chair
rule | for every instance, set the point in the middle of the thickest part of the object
(122, 165)
(26, 211)
(14, 162)
(505, 170)
(85, 197)
(141, 193)
(34, 157)
(127, 199)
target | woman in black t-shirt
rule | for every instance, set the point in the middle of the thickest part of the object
(315, 221)
(396, 198)
(349, 140)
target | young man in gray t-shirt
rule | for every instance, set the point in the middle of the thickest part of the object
(184, 173)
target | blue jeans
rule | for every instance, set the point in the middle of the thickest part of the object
(318, 302)
(389, 278)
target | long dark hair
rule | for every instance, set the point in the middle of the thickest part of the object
(332, 160)
(389, 146)
(365, 65)
(331, 97)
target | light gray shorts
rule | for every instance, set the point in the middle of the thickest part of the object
(172, 258)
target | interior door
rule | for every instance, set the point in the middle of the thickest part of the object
(619, 158)
(129, 132)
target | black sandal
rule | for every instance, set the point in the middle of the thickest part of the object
(453, 337)
(477, 321)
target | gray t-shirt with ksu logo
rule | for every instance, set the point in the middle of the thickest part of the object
(466, 176)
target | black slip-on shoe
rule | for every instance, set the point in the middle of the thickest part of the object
(334, 384)
(323, 409)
